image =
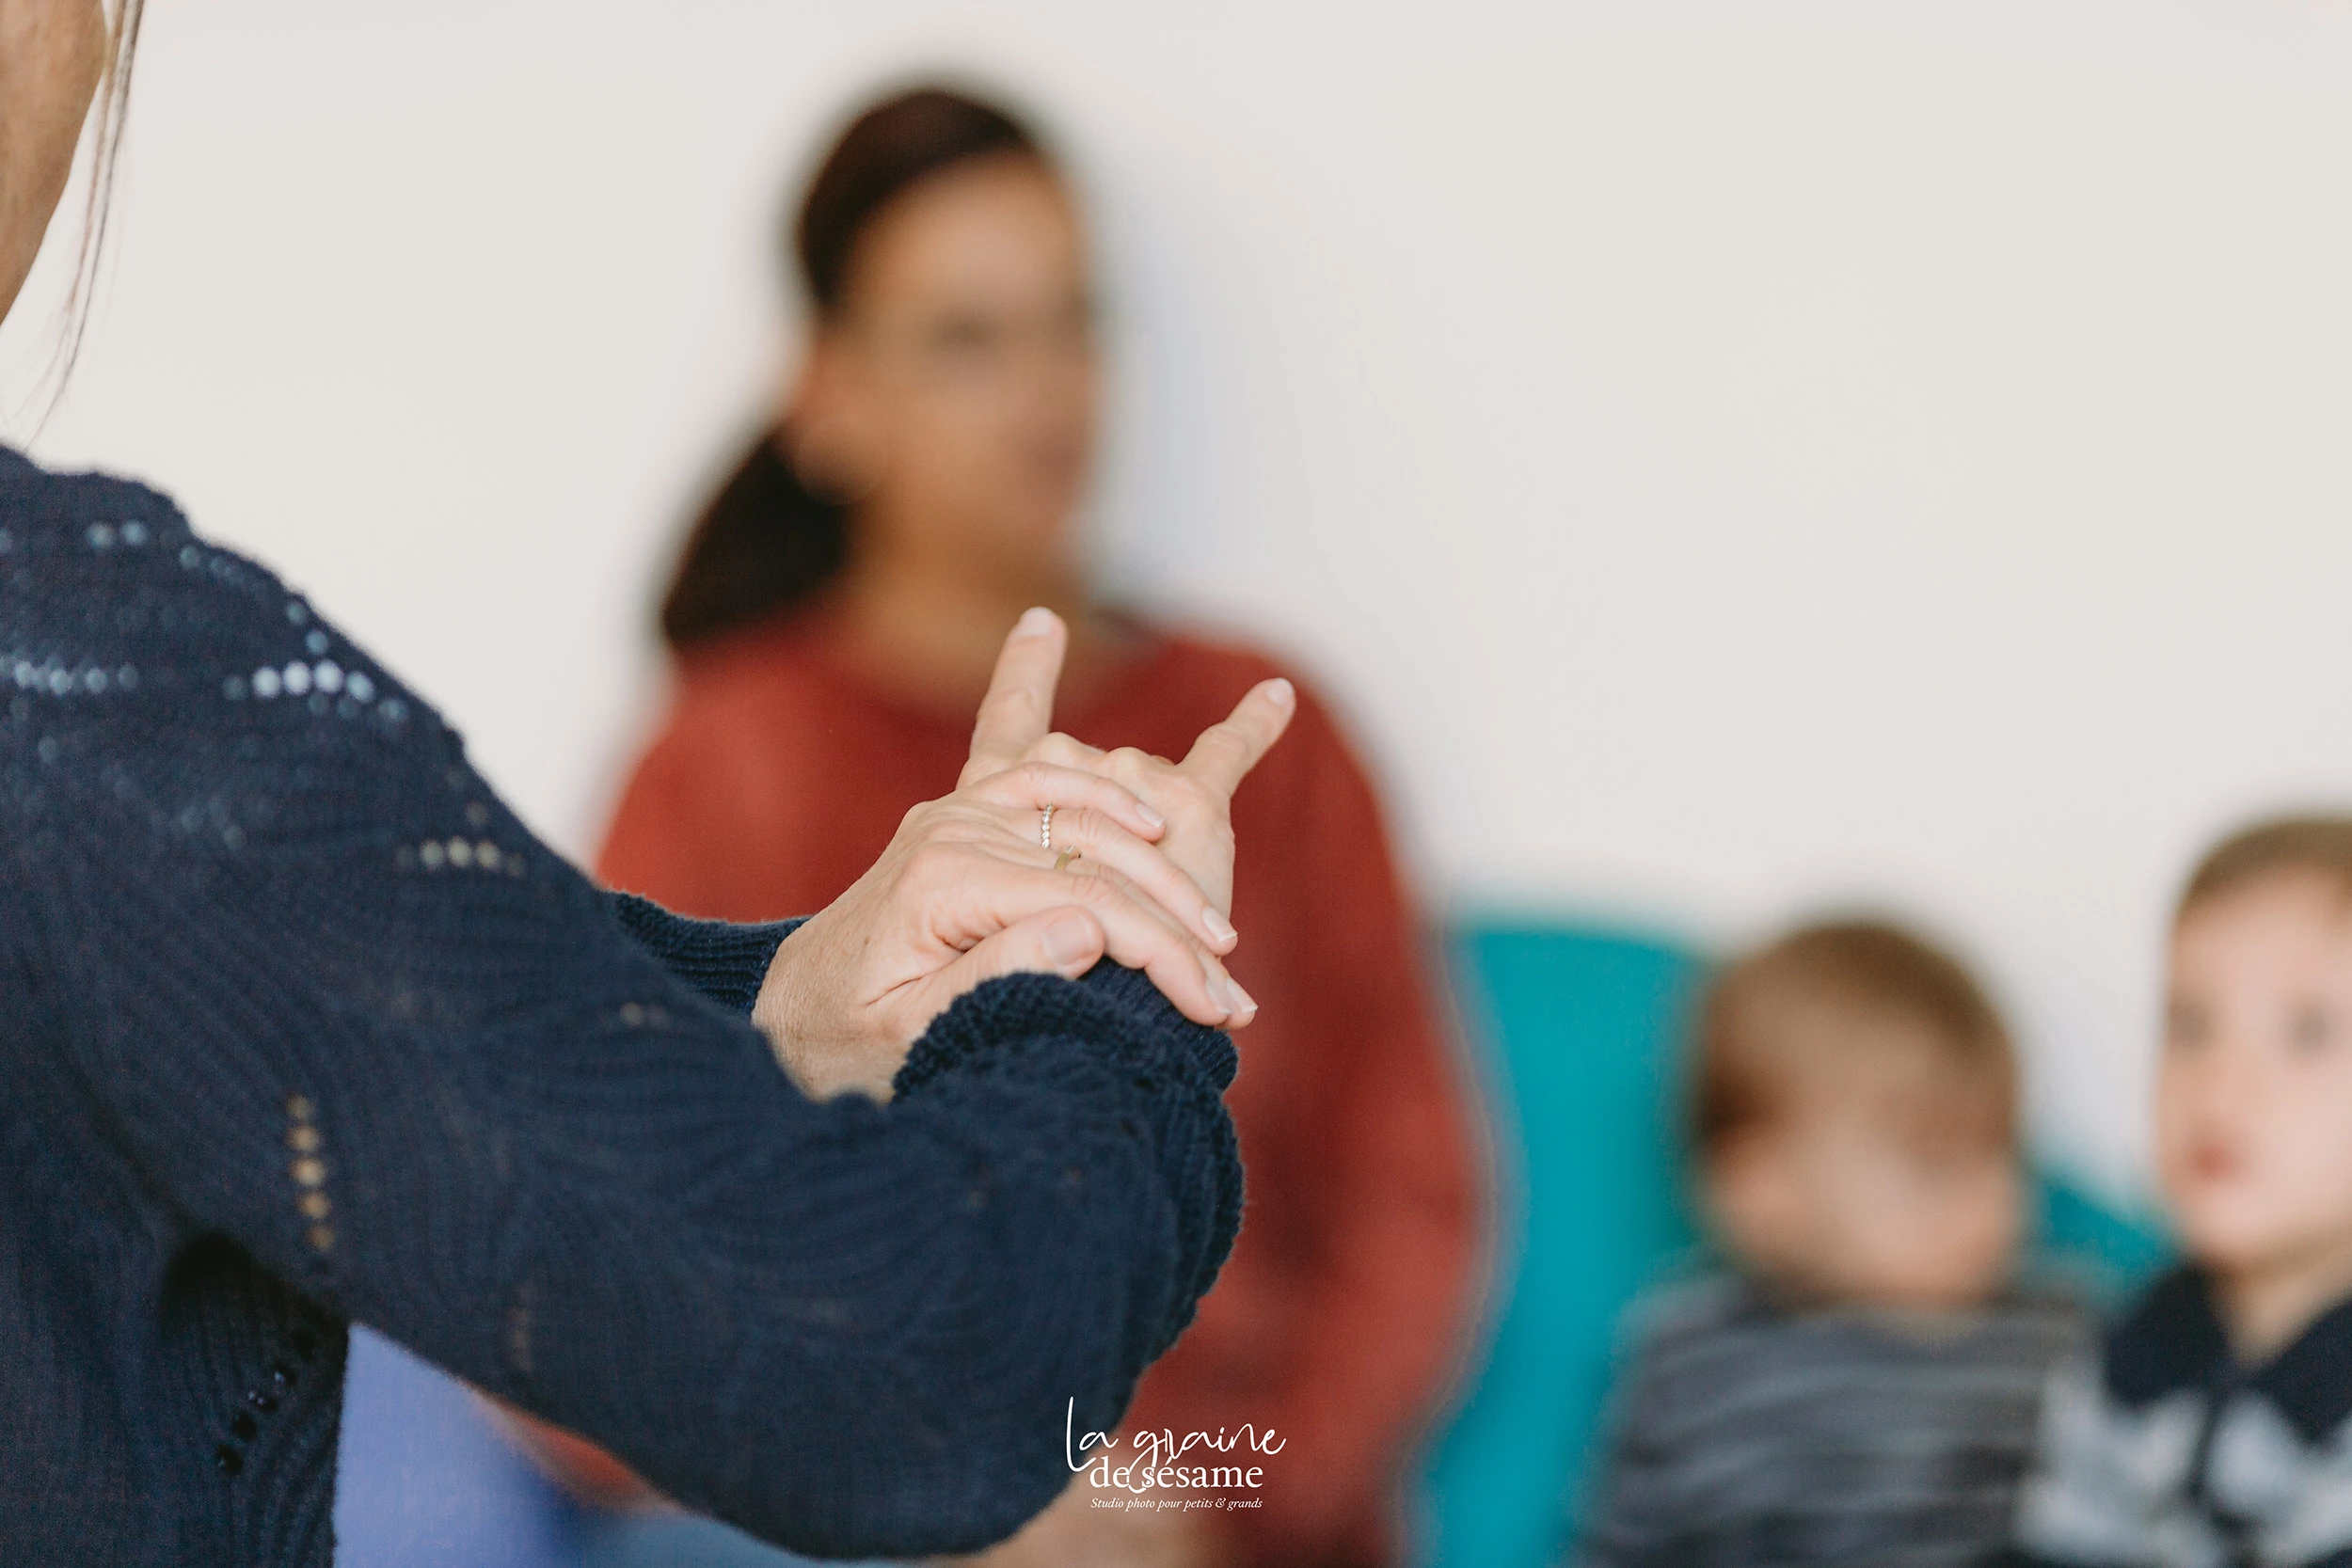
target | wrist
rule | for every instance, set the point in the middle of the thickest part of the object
(810, 1033)
(772, 1009)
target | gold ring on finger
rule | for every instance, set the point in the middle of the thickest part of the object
(1063, 860)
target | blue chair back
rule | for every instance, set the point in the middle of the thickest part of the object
(1571, 1028)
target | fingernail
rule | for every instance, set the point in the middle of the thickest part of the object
(1281, 691)
(1243, 1006)
(1035, 622)
(1069, 943)
(1150, 817)
(1219, 929)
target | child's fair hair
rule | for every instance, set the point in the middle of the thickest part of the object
(1810, 1012)
(2318, 845)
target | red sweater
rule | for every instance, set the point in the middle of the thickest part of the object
(779, 777)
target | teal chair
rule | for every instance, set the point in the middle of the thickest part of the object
(1576, 1029)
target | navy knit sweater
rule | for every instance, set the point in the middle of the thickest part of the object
(300, 1026)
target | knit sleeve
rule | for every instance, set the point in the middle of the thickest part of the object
(724, 960)
(337, 1005)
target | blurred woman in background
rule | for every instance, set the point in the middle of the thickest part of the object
(835, 616)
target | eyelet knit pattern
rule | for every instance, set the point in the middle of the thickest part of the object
(304, 1027)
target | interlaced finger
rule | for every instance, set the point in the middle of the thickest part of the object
(1034, 786)
(1101, 843)
(1228, 749)
(989, 888)
(1019, 707)
(1142, 935)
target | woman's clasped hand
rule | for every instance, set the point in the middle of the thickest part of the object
(983, 883)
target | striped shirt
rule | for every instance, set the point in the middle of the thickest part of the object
(1749, 1434)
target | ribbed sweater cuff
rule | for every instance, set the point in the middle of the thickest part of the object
(1155, 1031)
(724, 961)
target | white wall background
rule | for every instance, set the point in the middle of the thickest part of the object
(1724, 457)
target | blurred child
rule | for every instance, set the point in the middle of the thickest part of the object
(1860, 1387)
(2211, 1425)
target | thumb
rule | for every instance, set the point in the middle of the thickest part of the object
(1065, 942)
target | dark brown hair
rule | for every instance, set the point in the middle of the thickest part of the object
(1825, 999)
(765, 541)
(2319, 845)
